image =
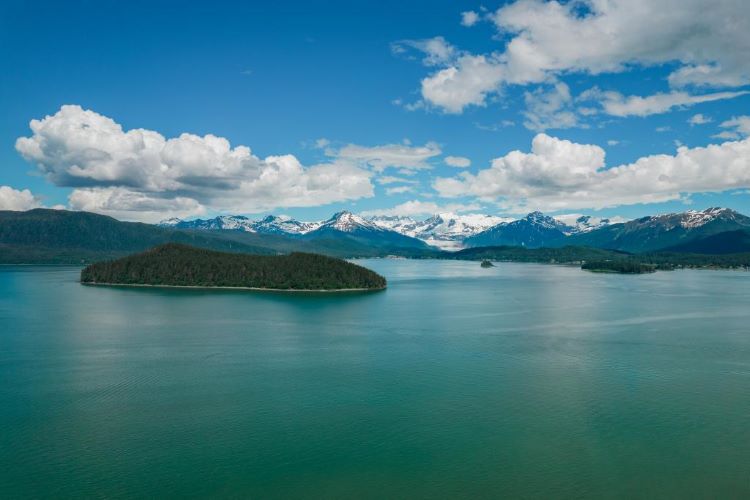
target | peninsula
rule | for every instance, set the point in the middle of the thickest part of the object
(177, 265)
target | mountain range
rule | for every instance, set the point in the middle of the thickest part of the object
(448, 231)
(59, 236)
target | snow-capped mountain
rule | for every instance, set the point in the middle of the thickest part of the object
(445, 230)
(450, 231)
(222, 222)
(655, 232)
(348, 222)
(582, 223)
(269, 225)
(274, 224)
(350, 226)
(533, 231)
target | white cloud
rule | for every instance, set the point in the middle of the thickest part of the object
(391, 179)
(699, 119)
(558, 174)
(380, 158)
(113, 170)
(552, 108)
(437, 50)
(613, 142)
(465, 83)
(547, 39)
(399, 190)
(469, 18)
(615, 104)
(739, 127)
(125, 204)
(457, 161)
(419, 207)
(15, 199)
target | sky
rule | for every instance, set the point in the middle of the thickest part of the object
(151, 110)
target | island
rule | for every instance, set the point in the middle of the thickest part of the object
(618, 266)
(487, 263)
(178, 265)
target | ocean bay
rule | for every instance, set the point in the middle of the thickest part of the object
(520, 380)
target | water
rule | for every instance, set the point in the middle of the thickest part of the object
(522, 380)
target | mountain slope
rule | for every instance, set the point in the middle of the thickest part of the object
(662, 231)
(718, 244)
(60, 236)
(444, 230)
(272, 224)
(347, 227)
(536, 230)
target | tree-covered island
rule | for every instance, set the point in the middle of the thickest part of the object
(618, 266)
(184, 266)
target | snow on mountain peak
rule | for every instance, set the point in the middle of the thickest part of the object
(694, 218)
(348, 222)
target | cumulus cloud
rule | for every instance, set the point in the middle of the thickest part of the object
(457, 161)
(141, 173)
(419, 207)
(559, 174)
(436, 50)
(467, 82)
(15, 199)
(738, 126)
(469, 18)
(551, 108)
(547, 39)
(699, 119)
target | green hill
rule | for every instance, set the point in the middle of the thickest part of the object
(63, 237)
(728, 242)
(43, 236)
(181, 265)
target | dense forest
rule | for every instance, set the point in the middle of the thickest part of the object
(181, 265)
(618, 266)
(580, 255)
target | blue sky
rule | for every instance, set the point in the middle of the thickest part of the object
(357, 105)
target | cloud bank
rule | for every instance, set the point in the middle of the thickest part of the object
(546, 40)
(559, 174)
(139, 174)
(15, 199)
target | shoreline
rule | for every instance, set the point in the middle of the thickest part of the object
(243, 288)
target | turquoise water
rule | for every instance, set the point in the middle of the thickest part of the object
(521, 380)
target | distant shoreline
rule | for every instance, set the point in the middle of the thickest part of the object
(247, 288)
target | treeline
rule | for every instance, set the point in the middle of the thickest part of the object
(618, 266)
(580, 255)
(562, 255)
(181, 265)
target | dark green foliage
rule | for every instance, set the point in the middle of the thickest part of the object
(487, 263)
(43, 236)
(180, 265)
(722, 243)
(660, 233)
(618, 266)
(563, 255)
(63, 237)
(579, 255)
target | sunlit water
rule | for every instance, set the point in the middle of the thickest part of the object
(521, 380)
